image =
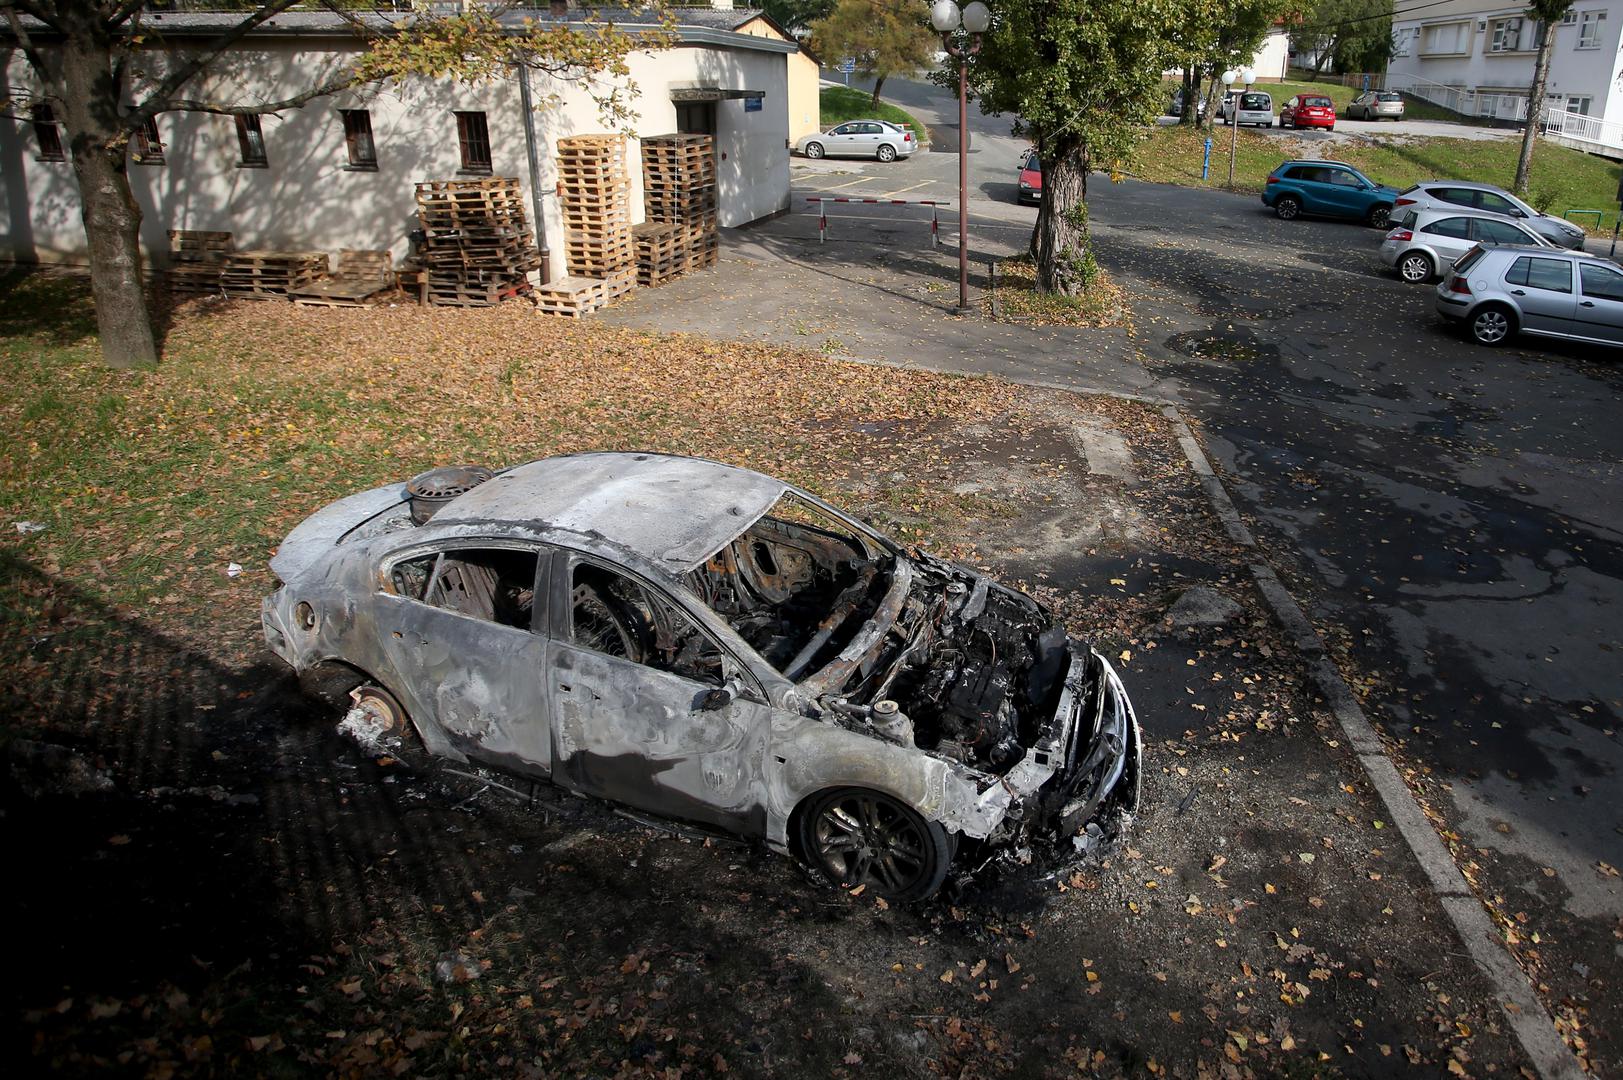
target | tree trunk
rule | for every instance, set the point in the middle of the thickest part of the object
(1213, 86)
(1188, 116)
(112, 220)
(1060, 246)
(878, 84)
(1535, 107)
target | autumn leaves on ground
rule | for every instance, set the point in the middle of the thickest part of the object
(223, 885)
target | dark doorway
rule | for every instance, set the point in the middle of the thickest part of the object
(696, 117)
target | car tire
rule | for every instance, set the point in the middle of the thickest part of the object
(1332, 127)
(1415, 267)
(857, 836)
(1288, 208)
(814, 150)
(886, 152)
(1492, 325)
(1379, 216)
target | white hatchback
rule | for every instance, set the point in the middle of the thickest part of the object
(1254, 107)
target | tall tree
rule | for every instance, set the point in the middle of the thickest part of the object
(1351, 35)
(1083, 78)
(797, 15)
(1549, 14)
(98, 66)
(887, 37)
(1237, 29)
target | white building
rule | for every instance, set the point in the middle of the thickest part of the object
(341, 171)
(1476, 57)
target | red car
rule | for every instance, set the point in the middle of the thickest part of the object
(1031, 179)
(1308, 111)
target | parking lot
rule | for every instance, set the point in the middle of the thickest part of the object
(1447, 512)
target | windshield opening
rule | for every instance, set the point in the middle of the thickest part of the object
(796, 585)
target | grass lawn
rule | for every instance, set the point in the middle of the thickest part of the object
(841, 103)
(1563, 179)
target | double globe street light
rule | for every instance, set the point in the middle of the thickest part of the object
(973, 18)
(1245, 77)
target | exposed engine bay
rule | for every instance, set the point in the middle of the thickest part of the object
(969, 670)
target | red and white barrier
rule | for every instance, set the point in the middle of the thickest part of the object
(822, 212)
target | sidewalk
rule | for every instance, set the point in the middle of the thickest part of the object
(886, 302)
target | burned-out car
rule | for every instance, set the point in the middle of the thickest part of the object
(715, 647)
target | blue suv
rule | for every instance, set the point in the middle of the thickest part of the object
(1328, 189)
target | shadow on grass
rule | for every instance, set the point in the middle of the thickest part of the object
(55, 305)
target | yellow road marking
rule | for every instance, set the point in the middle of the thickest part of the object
(914, 187)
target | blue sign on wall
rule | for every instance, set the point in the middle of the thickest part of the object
(752, 104)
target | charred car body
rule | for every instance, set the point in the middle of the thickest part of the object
(712, 646)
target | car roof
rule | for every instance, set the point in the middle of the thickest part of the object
(1471, 185)
(1317, 161)
(675, 512)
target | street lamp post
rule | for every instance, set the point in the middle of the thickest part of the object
(974, 17)
(1244, 76)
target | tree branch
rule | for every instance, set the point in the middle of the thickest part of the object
(295, 102)
(26, 43)
(158, 100)
(32, 10)
(124, 11)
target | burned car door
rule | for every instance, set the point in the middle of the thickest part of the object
(460, 624)
(648, 709)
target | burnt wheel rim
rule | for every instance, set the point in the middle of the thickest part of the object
(869, 840)
(1490, 327)
(1416, 268)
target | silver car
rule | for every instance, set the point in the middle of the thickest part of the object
(1466, 195)
(1498, 291)
(1251, 107)
(1376, 105)
(1427, 242)
(878, 139)
(713, 647)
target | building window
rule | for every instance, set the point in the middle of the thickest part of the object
(1589, 29)
(251, 143)
(363, 152)
(1445, 39)
(473, 136)
(146, 145)
(49, 135)
(1401, 40)
(1580, 103)
(1569, 18)
(1507, 36)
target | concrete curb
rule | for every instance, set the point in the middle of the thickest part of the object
(1524, 1012)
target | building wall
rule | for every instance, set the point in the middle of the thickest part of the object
(310, 199)
(805, 83)
(1469, 62)
(1271, 60)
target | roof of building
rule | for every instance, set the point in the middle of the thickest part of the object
(694, 26)
(673, 511)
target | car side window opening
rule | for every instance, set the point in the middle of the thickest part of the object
(493, 584)
(1453, 195)
(1343, 178)
(1487, 200)
(1498, 232)
(616, 616)
(1601, 283)
(1459, 228)
(1552, 275)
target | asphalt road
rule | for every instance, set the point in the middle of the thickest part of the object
(1451, 515)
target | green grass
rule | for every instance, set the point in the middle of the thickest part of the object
(1563, 179)
(840, 103)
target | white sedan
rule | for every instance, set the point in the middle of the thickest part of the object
(878, 139)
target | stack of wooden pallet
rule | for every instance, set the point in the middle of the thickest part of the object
(679, 189)
(477, 246)
(271, 275)
(196, 260)
(361, 275)
(594, 192)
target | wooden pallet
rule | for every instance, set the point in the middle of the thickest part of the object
(458, 293)
(268, 275)
(572, 297)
